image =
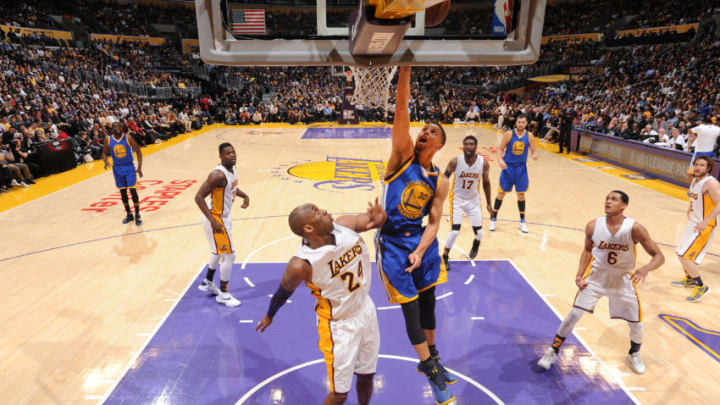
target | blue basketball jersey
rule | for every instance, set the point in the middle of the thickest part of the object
(516, 150)
(408, 196)
(121, 151)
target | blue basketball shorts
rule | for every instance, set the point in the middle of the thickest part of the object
(515, 175)
(125, 176)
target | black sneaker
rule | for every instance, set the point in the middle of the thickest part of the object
(474, 250)
(446, 261)
(138, 221)
(128, 218)
(449, 377)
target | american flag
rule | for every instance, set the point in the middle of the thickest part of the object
(243, 21)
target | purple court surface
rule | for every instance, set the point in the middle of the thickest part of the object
(492, 329)
(347, 133)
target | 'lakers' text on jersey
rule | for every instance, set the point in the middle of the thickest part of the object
(341, 274)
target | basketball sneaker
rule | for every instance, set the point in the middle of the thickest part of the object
(523, 227)
(686, 282)
(209, 287)
(449, 377)
(226, 299)
(439, 388)
(636, 363)
(698, 293)
(493, 224)
(548, 359)
(446, 262)
(474, 250)
(138, 220)
(128, 218)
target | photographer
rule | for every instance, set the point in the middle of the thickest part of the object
(20, 154)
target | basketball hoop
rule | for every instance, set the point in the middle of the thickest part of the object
(372, 85)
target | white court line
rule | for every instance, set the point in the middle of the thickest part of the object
(610, 372)
(244, 263)
(382, 356)
(447, 294)
(246, 321)
(388, 307)
(250, 283)
(636, 389)
(472, 262)
(147, 341)
(477, 318)
(472, 276)
(544, 240)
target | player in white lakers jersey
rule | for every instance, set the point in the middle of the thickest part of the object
(334, 263)
(221, 186)
(610, 243)
(700, 229)
(469, 169)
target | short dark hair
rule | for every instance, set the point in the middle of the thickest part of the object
(472, 138)
(623, 196)
(441, 129)
(521, 116)
(710, 162)
(223, 146)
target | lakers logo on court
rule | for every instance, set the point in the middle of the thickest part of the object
(341, 173)
(414, 198)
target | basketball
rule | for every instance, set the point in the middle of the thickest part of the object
(436, 14)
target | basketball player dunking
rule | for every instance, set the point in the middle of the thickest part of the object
(512, 158)
(610, 243)
(704, 194)
(222, 184)
(334, 263)
(408, 259)
(121, 146)
(468, 168)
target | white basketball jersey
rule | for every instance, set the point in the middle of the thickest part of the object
(702, 205)
(221, 198)
(341, 274)
(613, 253)
(467, 178)
(707, 135)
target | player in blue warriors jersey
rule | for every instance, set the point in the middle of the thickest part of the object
(408, 260)
(512, 157)
(121, 145)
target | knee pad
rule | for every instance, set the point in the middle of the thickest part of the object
(451, 239)
(456, 227)
(478, 232)
(411, 313)
(426, 299)
(636, 331)
(214, 260)
(226, 266)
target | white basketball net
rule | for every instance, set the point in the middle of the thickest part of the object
(372, 85)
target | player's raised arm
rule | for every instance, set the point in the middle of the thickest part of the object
(215, 180)
(374, 218)
(451, 166)
(640, 235)
(586, 255)
(402, 144)
(296, 271)
(138, 151)
(431, 230)
(487, 187)
(500, 151)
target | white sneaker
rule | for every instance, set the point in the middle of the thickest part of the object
(227, 299)
(209, 287)
(636, 363)
(22, 183)
(14, 183)
(548, 359)
(523, 227)
(493, 225)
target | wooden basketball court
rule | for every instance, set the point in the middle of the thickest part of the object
(82, 294)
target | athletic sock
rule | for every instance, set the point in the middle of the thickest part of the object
(698, 281)
(210, 274)
(224, 286)
(522, 216)
(557, 342)
(634, 347)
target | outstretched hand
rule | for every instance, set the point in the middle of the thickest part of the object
(263, 324)
(377, 214)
